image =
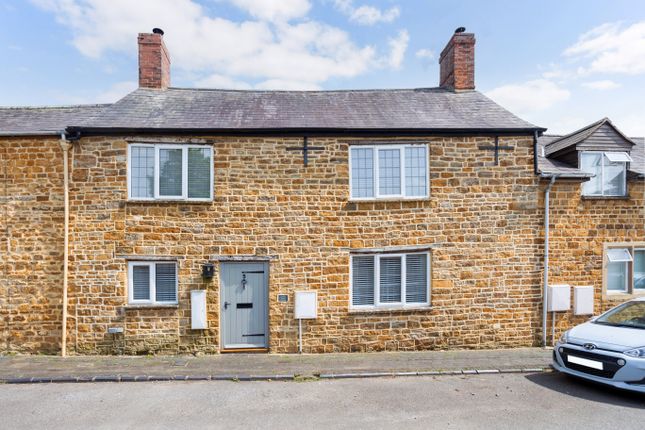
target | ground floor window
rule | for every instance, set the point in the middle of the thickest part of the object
(625, 269)
(152, 282)
(390, 280)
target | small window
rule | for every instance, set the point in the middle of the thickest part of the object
(389, 171)
(389, 280)
(625, 270)
(609, 170)
(170, 172)
(152, 282)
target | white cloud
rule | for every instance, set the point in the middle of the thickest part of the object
(220, 81)
(611, 48)
(274, 10)
(398, 46)
(365, 14)
(425, 54)
(605, 84)
(530, 96)
(281, 46)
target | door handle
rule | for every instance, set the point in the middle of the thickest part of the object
(226, 305)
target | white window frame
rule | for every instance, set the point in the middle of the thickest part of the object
(152, 265)
(604, 156)
(376, 168)
(629, 290)
(377, 281)
(184, 172)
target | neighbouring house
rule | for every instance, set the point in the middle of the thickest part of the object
(189, 218)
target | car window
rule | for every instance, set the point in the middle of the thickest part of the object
(630, 314)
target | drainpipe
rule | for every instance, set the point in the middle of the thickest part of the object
(65, 146)
(547, 193)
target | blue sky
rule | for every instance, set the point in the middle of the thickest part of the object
(559, 64)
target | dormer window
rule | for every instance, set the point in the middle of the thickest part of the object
(609, 170)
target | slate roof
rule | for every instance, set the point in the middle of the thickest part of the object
(44, 120)
(550, 166)
(571, 139)
(234, 110)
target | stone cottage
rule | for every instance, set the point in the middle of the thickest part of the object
(181, 220)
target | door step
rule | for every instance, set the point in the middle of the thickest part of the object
(244, 350)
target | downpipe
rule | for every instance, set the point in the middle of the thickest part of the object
(66, 146)
(547, 193)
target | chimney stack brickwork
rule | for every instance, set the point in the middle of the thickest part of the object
(154, 62)
(457, 63)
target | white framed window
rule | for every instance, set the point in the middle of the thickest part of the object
(152, 282)
(625, 269)
(388, 171)
(170, 172)
(390, 280)
(610, 173)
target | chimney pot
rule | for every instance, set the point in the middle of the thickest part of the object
(457, 62)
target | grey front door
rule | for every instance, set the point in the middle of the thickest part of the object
(244, 304)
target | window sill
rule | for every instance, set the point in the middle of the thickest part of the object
(390, 309)
(390, 200)
(622, 296)
(174, 201)
(151, 306)
(606, 197)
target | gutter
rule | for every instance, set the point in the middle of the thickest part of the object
(312, 131)
(547, 193)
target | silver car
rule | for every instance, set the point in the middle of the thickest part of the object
(609, 349)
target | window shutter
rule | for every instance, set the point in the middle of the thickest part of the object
(416, 278)
(362, 281)
(142, 171)
(170, 179)
(390, 280)
(165, 282)
(199, 173)
(140, 282)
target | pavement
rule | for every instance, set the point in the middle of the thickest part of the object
(503, 401)
(238, 367)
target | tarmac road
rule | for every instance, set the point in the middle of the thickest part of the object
(501, 401)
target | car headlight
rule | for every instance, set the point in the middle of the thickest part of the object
(636, 352)
(564, 337)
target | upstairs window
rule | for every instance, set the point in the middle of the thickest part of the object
(389, 171)
(170, 172)
(390, 280)
(625, 270)
(610, 173)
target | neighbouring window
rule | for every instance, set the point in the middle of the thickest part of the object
(609, 170)
(152, 282)
(389, 171)
(625, 270)
(165, 172)
(390, 280)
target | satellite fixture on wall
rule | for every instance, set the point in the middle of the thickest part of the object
(460, 29)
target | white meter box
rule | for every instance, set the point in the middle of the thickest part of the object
(559, 298)
(306, 304)
(198, 310)
(583, 300)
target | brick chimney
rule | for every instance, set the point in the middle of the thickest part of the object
(154, 61)
(457, 62)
